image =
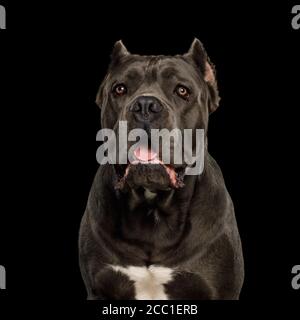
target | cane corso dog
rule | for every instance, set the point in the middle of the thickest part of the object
(149, 230)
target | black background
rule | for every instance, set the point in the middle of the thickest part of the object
(53, 59)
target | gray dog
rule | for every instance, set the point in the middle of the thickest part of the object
(149, 230)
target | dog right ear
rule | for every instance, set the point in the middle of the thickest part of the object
(119, 52)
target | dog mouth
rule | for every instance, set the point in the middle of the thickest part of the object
(149, 171)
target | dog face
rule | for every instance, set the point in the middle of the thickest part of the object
(157, 92)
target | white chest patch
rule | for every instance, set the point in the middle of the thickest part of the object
(148, 282)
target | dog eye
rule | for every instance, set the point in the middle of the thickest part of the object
(120, 89)
(182, 92)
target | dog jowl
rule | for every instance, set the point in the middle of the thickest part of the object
(151, 231)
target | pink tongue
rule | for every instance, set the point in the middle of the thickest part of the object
(143, 154)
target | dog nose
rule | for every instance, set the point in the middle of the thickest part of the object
(146, 107)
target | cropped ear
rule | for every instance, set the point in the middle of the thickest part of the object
(119, 52)
(201, 60)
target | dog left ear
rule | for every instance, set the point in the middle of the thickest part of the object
(200, 58)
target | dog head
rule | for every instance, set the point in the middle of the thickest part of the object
(157, 92)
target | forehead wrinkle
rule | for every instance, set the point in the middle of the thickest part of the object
(169, 72)
(175, 66)
(138, 66)
(151, 68)
(132, 74)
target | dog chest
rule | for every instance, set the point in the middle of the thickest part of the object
(148, 281)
